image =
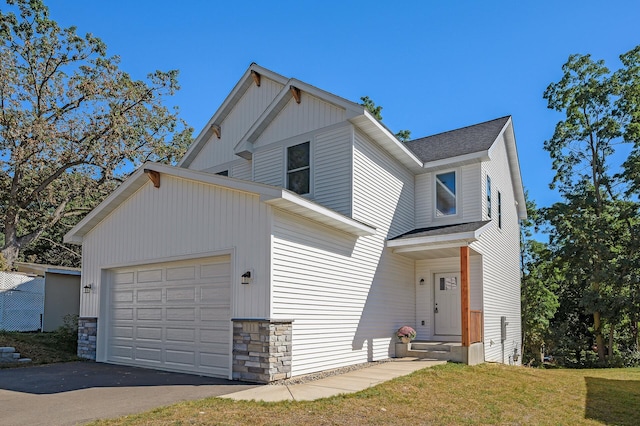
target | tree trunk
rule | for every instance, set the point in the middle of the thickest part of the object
(10, 253)
(611, 333)
(597, 330)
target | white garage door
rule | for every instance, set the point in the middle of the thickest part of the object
(172, 316)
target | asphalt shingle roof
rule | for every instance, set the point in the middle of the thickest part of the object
(443, 230)
(467, 140)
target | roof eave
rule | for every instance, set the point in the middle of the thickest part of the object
(466, 237)
(460, 160)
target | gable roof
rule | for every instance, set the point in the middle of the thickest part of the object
(276, 196)
(455, 143)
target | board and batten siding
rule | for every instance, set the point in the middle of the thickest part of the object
(345, 299)
(183, 219)
(469, 197)
(427, 269)
(252, 104)
(501, 261)
(295, 119)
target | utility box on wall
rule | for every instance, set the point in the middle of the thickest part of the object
(503, 328)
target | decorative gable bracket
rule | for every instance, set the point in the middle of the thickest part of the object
(295, 92)
(153, 177)
(216, 130)
(256, 77)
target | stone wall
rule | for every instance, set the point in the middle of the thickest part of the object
(261, 350)
(87, 332)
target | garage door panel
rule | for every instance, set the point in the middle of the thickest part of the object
(181, 273)
(173, 316)
(148, 354)
(124, 278)
(149, 333)
(181, 335)
(149, 295)
(154, 275)
(186, 358)
(181, 294)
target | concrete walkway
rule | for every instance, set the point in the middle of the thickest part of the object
(351, 382)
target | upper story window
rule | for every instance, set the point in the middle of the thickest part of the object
(488, 197)
(446, 194)
(499, 210)
(223, 173)
(298, 168)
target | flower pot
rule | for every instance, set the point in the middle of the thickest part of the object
(405, 339)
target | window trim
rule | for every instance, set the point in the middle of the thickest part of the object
(488, 196)
(456, 173)
(499, 210)
(309, 167)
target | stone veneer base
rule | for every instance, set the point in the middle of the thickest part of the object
(87, 332)
(262, 349)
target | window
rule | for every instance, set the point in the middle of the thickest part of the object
(446, 194)
(223, 173)
(298, 168)
(488, 197)
(499, 210)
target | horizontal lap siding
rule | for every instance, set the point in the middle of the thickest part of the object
(501, 261)
(340, 301)
(332, 169)
(269, 166)
(241, 169)
(253, 103)
(183, 218)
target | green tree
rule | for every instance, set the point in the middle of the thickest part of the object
(376, 111)
(590, 227)
(72, 124)
(539, 283)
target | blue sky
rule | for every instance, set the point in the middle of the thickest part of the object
(433, 66)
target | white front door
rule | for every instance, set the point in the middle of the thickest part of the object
(447, 305)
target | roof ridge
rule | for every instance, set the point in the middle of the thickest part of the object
(459, 128)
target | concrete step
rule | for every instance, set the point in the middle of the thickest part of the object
(431, 347)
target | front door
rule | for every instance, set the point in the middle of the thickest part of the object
(447, 305)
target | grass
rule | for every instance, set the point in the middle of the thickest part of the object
(450, 394)
(42, 348)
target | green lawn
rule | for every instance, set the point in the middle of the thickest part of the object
(42, 348)
(444, 395)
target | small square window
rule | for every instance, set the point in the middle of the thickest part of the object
(488, 197)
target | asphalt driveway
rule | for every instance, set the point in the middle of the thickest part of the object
(78, 392)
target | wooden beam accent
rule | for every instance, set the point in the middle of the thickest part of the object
(216, 130)
(296, 93)
(256, 77)
(153, 177)
(464, 296)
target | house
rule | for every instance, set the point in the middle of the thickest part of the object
(38, 296)
(297, 235)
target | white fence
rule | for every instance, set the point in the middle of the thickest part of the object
(21, 302)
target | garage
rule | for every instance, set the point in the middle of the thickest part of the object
(172, 316)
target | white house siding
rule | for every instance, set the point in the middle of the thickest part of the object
(345, 294)
(268, 166)
(241, 169)
(501, 249)
(332, 169)
(236, 124)
(294, 119)
(183, 219)
(469, 197)
(427, 269)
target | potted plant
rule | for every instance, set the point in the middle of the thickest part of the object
(406, 334)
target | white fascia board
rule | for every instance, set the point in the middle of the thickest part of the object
(386, 139)
(438, 240)
(516, 176)
(296, 204)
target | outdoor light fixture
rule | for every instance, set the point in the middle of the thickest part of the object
(246, 277)
(421, 281)
(87, 288)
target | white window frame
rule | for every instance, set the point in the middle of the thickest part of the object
(435, 194)
(309, 166)
(488, 196)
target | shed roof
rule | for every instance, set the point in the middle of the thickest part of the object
(454, 143)
(434, 231)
